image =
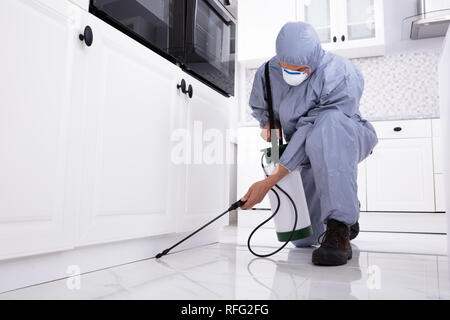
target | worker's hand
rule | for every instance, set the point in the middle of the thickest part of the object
(258, 190)
(265, 132)
(256, 194)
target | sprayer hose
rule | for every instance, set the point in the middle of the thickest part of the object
(273, 215)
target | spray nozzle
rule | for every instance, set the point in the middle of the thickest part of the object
(159, 255)
(234, 206)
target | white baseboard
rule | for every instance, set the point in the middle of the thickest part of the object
(403, 222)
(28, 271)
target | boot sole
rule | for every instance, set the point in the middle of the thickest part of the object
(330, 261)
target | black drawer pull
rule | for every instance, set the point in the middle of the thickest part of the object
(190, 91)
(182, 86)
(87, 36)
(343, 38)
(334, 39)
(397, 129)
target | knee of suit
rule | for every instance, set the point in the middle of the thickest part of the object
(327, 120)
(323, 129)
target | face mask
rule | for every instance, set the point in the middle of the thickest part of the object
(293, 78)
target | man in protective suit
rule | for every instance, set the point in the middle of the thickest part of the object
(316, 98)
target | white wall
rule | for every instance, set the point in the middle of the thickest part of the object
(444, 84)
(394, 13)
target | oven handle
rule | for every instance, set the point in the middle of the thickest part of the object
(223, 12)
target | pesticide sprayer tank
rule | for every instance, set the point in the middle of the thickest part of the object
(285, 218)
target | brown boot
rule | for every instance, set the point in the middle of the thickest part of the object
(335, 249)
(354, 230)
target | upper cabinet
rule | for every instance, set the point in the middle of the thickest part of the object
(318, 13)
(351, 28)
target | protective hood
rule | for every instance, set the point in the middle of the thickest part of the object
(298, 43)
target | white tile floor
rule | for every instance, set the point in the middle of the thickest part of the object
(384, 266)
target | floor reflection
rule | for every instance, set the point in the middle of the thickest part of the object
(296, 278)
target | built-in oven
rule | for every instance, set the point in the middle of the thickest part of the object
(210, 43)
(198, 35)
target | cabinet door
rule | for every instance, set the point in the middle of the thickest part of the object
(351, 28)
(359, 19)
(362, 25)
(130, 96)
(204, 182)
(36, 63)
(318, 13)
(400, 176)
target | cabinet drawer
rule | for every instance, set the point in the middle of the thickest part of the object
(403, 129)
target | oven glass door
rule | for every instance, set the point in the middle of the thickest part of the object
(158, 24)
(210, 43)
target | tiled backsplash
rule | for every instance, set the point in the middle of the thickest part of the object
(401, 86)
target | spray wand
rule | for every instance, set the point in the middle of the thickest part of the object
(274, 158)
(234, 206)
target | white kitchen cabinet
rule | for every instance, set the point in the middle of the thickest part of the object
(400, 176)
(362, 185)
(351, 28)
(403, 173)
(130, 100)
(403, 192)
(203, 183)
(86, 135)
(249, 154)
(321, 14)
(259, 24)
(37, 64)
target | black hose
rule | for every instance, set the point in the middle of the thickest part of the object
(273, 215)
(236, 205)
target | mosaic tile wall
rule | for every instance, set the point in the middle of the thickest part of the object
(401, 86)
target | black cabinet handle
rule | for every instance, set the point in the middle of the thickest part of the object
(334, 39)
(343, 38)
(182, 86)
(189, 90)
(87, 36)
(397, 129)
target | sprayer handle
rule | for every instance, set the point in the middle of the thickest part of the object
(236, 205)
